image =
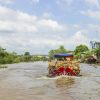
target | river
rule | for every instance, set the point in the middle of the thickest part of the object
(28, 81)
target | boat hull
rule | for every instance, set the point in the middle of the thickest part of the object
(63, 71)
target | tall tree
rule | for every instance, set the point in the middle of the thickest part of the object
(81, 48)
(26, 54)
(27, 57)
(61, 49)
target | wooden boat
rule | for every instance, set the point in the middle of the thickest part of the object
(63, 64)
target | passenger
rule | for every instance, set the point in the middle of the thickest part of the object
(52, 70)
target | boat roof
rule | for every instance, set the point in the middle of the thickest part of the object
(62, 55)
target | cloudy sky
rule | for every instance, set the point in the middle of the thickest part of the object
(38, 26)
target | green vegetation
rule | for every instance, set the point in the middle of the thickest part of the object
(79, 50)
(39, 58)
(3, 66)
(61, 49)
(97, 52)
(9, 58)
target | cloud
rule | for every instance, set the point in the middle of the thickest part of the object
(93, 3)
(20, 31)
(64, 4)
(95, 29)
(41, 44)
(35, 1)
(91, 14)
(79, 37)
(6, 2)
(47, 15)
(17, 21)
(50, 24)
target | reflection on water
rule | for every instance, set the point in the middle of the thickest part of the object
(64, 82)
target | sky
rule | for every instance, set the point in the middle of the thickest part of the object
(38, 26)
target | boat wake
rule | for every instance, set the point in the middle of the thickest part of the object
(57, 77)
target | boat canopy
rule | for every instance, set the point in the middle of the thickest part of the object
(62, 55)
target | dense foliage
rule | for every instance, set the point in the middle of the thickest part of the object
(61, 49)
(81, 49)
(97, 52)
(8, 58)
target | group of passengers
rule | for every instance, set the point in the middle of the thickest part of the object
(59, 68)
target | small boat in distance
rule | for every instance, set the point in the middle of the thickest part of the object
(63, 64)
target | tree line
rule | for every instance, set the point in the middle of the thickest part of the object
(79, 51)
(8, 58)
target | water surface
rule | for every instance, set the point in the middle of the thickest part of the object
(28, 81)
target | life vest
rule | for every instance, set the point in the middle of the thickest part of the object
(64, 71)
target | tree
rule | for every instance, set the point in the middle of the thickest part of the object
(81, 48)
(97, 52)
(95, 44)
(27, 57)
(61, 49)
(2, 52)
(26, 54)
(51, 53)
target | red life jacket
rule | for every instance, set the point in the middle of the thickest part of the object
(64, 71)
(70, 72)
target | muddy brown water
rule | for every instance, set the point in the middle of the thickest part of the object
(28, 81)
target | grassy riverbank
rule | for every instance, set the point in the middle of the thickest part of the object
(3, 66)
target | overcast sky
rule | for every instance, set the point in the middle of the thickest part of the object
(38, 26)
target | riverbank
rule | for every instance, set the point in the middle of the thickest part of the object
(3, 66)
